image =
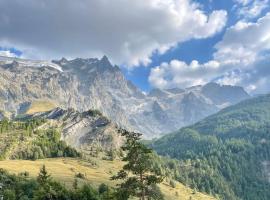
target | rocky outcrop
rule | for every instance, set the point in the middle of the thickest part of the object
(86, 131)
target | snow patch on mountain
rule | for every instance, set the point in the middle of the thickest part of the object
(29, 63)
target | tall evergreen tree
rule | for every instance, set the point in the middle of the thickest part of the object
(139, 178)
(43, 177)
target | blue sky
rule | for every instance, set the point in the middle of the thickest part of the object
(157, 43)
(199, 49)
(11, 51)
(195, 49)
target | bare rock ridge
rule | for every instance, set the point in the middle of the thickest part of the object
(86, 131)
(84, 84)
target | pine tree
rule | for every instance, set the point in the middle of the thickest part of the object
(143, 179)
(43, 177)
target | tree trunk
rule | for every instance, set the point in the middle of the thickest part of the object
(143, 194)
(143, 191)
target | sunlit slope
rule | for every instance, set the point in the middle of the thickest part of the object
(100, 171)
(40, 106)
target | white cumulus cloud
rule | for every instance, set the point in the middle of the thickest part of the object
(245, 43)
(180, 74)
(251, 8)
(127, 31)
(242, 57)
(7, 53)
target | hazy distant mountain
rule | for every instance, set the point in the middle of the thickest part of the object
(167, 110)
(85, 84)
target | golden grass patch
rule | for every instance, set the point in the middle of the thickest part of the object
(65, 169)
(40, 106)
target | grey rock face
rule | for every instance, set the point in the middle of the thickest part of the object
(85, 84)
(86, 131)
(226, 93)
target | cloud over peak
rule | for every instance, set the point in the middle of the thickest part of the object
(127, 31)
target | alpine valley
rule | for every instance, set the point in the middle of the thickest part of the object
(68, 131)
(134, 100)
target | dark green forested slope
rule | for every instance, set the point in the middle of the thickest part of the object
(225, 154)
(249, 118)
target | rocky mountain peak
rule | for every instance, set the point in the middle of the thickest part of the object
(158, 93)
(105, 60)
(62, 61)
(175, 90)
(104, 64)
(13, 66)
(224, 93)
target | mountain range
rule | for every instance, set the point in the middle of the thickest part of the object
(84, 84)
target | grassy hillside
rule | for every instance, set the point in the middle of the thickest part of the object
(40, 106)
(225, 154)
(25, 145)
(65, 169)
